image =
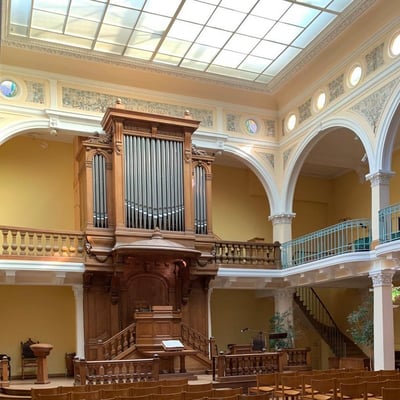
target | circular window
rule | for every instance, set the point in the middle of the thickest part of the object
(320, 101)
(355, 75)
(291, 122)
(8, 88)
(251, 126)
(395, 45)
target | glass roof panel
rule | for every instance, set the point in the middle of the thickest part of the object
(114, 34)
(228, 58)
(121, 16)
(43, 20)
(256, 26)
(283, 33)
(196, 11)
(252, 40)
(87, 9)
(299, 15)
(184, 30)
(224, 18)
(81, 27)
(162, 7)
(213, 37)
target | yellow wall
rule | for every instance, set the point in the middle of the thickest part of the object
(234, 309)
(43, 313)
(36, 184)
(240, 206)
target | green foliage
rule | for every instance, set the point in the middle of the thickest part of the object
(361, 323)
(280, 323)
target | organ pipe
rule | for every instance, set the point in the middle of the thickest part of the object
(100, 216)
(153, 180)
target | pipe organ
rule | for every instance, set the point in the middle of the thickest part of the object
(145, 203)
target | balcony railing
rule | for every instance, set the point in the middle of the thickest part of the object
(345, 237)
(26, 243)
(389, 223)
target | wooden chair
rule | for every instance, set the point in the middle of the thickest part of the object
(144, 383)
(266, 383)
(227, 392)
(28, 359)
(254, 396)
(392, 383)
(111, 393)
(173, 382)
(94, 395)
(168, 396)
(390, 393)
(322, 389)
(55, 396)
(35, 392)
(374, 388)
(140, 391)
(173, 389)
(352, 391)
(290, 387)
(77, 388)
(199, 387)
(144, 397)
(197, 395)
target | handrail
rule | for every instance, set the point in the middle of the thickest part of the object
(345, 237)
(320, 317)
(389, 223)
(197, 341)
(110, 349)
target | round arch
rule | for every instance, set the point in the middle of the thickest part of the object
(302, 151)
(20, 127)
(388, 128)
(259, 170)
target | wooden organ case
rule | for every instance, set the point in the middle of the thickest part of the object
(145, 206)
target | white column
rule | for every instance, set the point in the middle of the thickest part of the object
(281, 227)
(383, 320)
(380, 191)
(284, 306)
(80, 333)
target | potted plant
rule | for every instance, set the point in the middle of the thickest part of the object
(361, 322)
(281, 323)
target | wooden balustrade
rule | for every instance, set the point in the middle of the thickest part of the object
(227, 366)
(117, 344)
(297, 359)
(235, 365)
(31, 243)
(116, 371)
(253, 254)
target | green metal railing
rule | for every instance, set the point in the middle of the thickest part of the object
(345, 237)
(389, 223)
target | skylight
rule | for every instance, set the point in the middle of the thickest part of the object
(251, 40)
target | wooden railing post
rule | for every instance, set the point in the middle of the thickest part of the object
(221, 365)
(5, 381)
(82, 372)
(156, 367)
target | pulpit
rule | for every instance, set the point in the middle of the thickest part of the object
(155, 326)
(41, 351)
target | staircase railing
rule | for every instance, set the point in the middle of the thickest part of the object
(197, 341)
(321, 319)
(111, 348)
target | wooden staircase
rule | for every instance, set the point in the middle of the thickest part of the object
(318, 315)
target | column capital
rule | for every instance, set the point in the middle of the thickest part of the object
(382, 278)
(379, 178)
(283, 218)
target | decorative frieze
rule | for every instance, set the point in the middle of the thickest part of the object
(270, 127)
(371, 107)
(270, 158)
(374, 59)
(305, 111)
(232, 122)
(91, 101)
(35, 92)
(286, 155)
(336, 87)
